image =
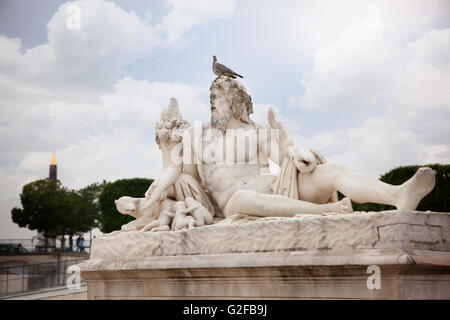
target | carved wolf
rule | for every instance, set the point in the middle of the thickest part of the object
(131, 206)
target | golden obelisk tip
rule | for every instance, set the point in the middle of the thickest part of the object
(53, 162)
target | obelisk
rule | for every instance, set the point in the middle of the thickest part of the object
(52, 175)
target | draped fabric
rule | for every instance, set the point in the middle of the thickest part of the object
(186, 186)
(286, 183)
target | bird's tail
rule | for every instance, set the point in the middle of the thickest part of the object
(238, 75)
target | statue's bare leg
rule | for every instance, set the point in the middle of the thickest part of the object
(151, 225)
(270, 205)
(318, 185)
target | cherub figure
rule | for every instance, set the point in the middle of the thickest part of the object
(181, 220)
(200, 214)
(165, 218)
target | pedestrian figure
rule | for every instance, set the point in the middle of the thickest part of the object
(82, 245)
(79, 243)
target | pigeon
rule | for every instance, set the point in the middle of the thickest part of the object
(221, 70)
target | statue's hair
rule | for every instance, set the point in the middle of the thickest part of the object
(239, 100)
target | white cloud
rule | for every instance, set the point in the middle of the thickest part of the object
(310, 25)
(368, 68)
(117, 129)
(379, 145)
(184, 15)
(401, 78)
(79, 61)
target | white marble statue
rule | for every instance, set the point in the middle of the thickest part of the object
(241, 188)
(210, 175)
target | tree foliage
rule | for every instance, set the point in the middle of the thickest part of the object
(41, 206)
(55, 211)
(85, 210)
(437, 200)
(111, 219)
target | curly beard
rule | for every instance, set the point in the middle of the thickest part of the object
(219, 120)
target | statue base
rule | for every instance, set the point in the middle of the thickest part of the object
(376, 255)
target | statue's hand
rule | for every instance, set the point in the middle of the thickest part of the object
(291, 151)
(304, 160)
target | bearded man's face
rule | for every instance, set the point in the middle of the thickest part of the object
(220, 109)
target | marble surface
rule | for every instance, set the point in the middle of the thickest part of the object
(304, 257)
(407, 230)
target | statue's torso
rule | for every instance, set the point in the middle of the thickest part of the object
(225, 173)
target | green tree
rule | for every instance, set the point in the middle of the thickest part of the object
(111, 219)
(56, 211)
(41, 206)
(84, 214)
(437, 200)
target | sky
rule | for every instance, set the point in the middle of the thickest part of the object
(364, 82)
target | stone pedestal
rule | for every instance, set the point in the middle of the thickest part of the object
(318, 257)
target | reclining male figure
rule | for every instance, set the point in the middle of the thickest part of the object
(240, 187)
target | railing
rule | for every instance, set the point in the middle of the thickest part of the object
(33, 277)
(24, 246)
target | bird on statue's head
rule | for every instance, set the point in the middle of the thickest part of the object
(221, 70)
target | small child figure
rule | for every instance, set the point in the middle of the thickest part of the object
(181, 221)
(201, 215)
(164, 220)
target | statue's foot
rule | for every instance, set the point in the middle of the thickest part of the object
(146, 228)
(413, 190)
(345, 206)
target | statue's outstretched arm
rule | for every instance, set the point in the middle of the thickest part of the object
(285, 139)
(168, 177)
(283, 142)
(305, 160)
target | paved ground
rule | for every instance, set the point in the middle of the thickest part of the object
(61, 293)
